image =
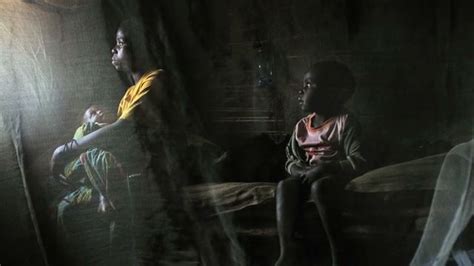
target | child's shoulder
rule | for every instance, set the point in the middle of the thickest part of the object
(348, 119)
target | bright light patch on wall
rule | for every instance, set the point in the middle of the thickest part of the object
(26, 62)
(59, 4)
(53, 65)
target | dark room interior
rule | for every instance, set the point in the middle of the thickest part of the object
(236, 67)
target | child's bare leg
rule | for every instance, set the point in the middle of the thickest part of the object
(288, 199)
(322, 191)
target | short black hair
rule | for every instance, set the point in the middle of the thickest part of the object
(334, 75)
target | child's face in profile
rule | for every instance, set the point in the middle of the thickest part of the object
(93, 114)
(314, 97)
(310, 95)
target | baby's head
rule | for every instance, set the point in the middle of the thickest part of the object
(93, 114)
(326, 87)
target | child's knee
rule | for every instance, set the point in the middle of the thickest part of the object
(320, 186)
(316, 188)
(287, 185)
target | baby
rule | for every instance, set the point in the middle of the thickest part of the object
(92, 120)
(74, 174)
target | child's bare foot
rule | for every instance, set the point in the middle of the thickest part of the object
(289, 257)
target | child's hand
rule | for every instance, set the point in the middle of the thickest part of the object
(299, 171)
(319, 170)
(314, 173)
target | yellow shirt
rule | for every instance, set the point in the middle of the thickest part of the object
(133, 96)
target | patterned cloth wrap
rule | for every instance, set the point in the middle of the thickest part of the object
(88, 177)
